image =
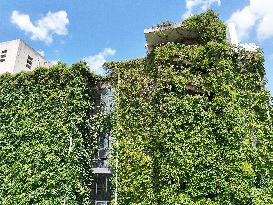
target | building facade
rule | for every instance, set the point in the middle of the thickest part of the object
(17, 56)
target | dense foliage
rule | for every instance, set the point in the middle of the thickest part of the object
(208, 27)
(193, 124)
(49, 121)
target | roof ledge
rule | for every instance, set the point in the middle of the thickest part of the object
(158, 35)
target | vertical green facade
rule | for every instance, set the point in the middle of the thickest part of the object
(193, 123)
(192, 126)
(49, 122)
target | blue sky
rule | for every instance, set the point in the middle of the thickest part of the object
(103, 30)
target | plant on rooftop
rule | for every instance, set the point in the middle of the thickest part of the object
(193, 123)
(163, 24)
(208, 27)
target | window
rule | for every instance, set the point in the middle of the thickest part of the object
(29, 62)
(28, 66)
(29, 58)
(101, 188)
(3, 55)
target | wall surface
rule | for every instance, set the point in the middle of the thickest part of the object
(12, 48)
(22, 56)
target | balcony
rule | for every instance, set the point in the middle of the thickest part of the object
(162, 34)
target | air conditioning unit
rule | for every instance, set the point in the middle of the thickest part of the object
(103, 154)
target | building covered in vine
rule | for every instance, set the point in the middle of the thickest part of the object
(190, 124)
(193, 119)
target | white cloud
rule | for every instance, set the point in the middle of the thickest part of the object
(54, 62)
(265, 27)
(44, 28)
(42, 53)
(95, 62)
(202, 4)
(257, 14)
(244, 20)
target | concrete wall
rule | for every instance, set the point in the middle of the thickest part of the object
(22, 56)
(12, 49)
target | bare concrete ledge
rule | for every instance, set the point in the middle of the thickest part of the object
(104, 170)
(158, 35)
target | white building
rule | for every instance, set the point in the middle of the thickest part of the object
(16, 56)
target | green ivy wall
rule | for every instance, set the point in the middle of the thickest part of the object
(49, 121)
(193, 123)
(192, 126)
